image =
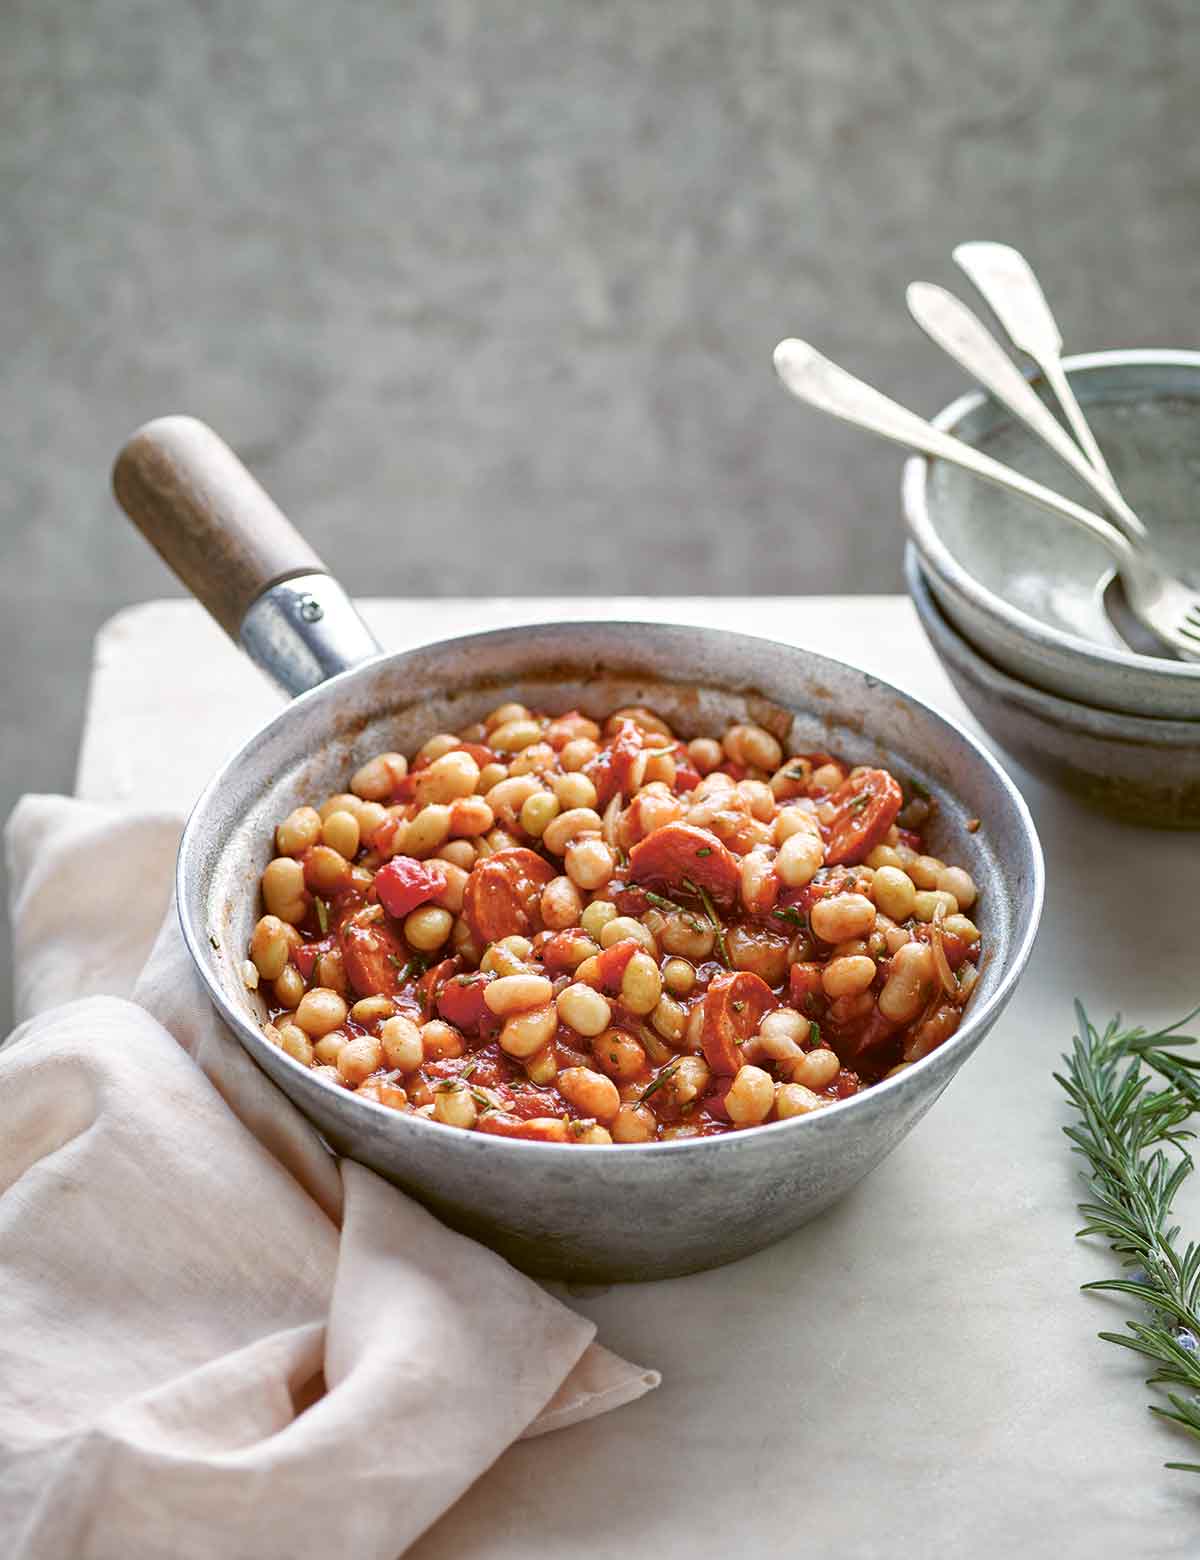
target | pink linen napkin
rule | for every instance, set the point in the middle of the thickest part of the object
(215, 1338)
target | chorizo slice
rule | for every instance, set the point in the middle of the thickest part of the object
(679, 854)
(373, 955)
(536, 1129)
(865, 807)
(503, 893)
(734, 1006)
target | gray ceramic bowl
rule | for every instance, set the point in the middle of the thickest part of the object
(1138, 768)
(1027, 589)
(603, 1213)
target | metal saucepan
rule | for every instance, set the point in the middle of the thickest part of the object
(589, 1213)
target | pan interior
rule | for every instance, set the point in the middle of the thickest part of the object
(699, 680)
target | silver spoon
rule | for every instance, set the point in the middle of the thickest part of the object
(1008, 286)
(965, 338)
(1164, 604)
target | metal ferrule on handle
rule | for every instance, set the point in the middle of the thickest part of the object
(304, 630)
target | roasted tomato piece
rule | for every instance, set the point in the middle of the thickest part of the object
(865, 807)
(503, 893)
(460, 1001)
(734, 1006)
(306, 955)
(804, 985)
(687, 776)
(611, 963)
(862, 1039)
(612, 770)
(478, 751)
(679, 854)
(384, 838)
(538, 1129)
(403, 884)
(560, 953)
(372, 953)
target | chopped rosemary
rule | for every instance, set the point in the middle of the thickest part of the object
(465, 1072)
(322, 914)
(792, 915)
(859, 802)
(657, 1082)
(414, 966)
(213, 943)
(710, 911)
(1131, 1136)
(814, 1032)
(664, 903)
(705, 850)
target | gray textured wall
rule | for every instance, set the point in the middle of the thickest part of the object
(486, 291)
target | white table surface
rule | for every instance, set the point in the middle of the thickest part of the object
(914, 1373)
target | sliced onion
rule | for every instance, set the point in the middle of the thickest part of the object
(940, 962)
(967, 986)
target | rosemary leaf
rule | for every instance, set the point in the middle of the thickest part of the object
(656, 1083)
(710, 911)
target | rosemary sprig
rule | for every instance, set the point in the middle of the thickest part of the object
(322, 914)
(664, 903)
(1131, 1136)
(710, 911)
(657, 1082)
(414, 967)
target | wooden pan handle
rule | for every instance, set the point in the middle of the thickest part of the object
(197, 505)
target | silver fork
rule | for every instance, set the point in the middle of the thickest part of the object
(964, 337)
(1163, 604)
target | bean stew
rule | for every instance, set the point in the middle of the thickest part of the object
(545, 929)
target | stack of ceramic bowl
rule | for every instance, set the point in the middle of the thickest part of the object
(1022, 607)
